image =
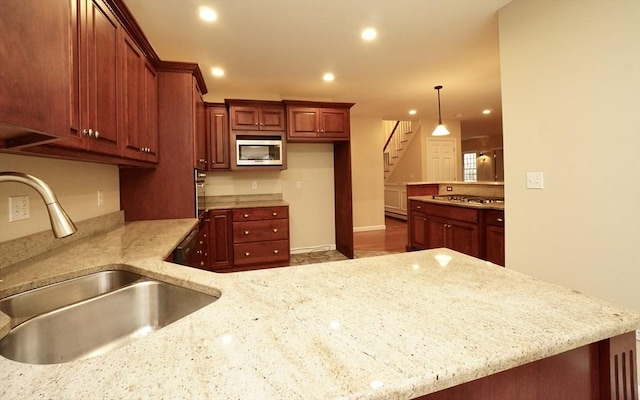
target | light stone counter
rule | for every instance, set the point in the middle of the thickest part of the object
(388, 327)
(482, 206)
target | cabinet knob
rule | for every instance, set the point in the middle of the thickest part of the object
(201, 263)
(245, 216)
(202, 161)
(321, 130)
(418, 207)
(256, 124)
(317, 130)
(246, 232)
(275, 252)
(275, 230)
(275, 214)
(91, 133)
(499, 219)
(247, 254)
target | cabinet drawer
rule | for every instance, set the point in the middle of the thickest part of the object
(417, 206)
(452, 212)
(261, 253)
(259, 214)
(494, 218)
(258, 231)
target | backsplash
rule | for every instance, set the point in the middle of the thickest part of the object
(16, 250)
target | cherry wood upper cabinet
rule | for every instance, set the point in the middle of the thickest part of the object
(99, 69)
(318, 122)
(139, 104)
(252, 115)
(35, 75)
(218, 136)
(199, 116)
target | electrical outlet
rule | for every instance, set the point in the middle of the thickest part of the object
(18, 208)
(298, 184)
(100, 198)
(535, 180)
(449, 188)
(254, 185)
(638, 334)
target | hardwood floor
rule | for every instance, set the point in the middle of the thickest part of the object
(392, 239)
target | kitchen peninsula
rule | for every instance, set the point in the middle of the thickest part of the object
(390, 327)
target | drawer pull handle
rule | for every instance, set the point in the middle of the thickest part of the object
(275, 214)
(275, 252)
(245, 216)
(499, 220)
(275, 230)
(247, 254)
(246, 232)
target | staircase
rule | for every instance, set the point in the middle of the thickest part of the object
(398, 138)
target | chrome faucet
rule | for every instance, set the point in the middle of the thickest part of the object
(61, 224)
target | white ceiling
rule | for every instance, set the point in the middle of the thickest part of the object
(279, 49)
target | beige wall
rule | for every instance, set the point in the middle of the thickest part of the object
(571, 95)
(367, 173)
(74, 183)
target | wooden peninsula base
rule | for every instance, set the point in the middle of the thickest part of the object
(605, 370)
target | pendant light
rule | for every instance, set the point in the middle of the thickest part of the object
(440, 130)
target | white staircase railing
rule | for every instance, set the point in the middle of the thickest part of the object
(397, 140)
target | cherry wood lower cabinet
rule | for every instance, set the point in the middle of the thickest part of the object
(220, 239)
(248, 238)
(603, 370)
(473, 231)
(494, 236)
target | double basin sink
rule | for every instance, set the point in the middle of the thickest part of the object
(91, 315)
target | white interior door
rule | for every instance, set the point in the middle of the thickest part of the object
(442, 162)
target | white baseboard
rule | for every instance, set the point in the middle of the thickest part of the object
(301, 250)
(370, 228)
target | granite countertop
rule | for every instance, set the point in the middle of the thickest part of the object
(484, 206)
(390, 327)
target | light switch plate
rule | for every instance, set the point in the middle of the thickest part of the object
(535, 180)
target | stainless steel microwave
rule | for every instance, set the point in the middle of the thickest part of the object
(258, 152)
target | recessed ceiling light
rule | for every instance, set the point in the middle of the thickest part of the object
(412, 112)
(207, 14)
(486, 112)
(217, 71)
(369, 34)
(328, 77)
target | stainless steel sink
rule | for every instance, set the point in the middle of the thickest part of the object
(100, 324)
(26, 305)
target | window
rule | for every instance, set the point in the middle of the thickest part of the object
(469, 167)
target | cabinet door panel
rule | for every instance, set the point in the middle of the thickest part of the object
(102, 77)
(149, 120)
(463, 237)
(435, 228)
(334, 123)
(272, 119)
(418, 231)
(218, 137)
(220, 239)
(244, 118)
(303, 122)
(494, 244)
(199, 117)
(35, 71)
(132, 102)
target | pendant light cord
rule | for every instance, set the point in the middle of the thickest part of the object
(439, 113)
